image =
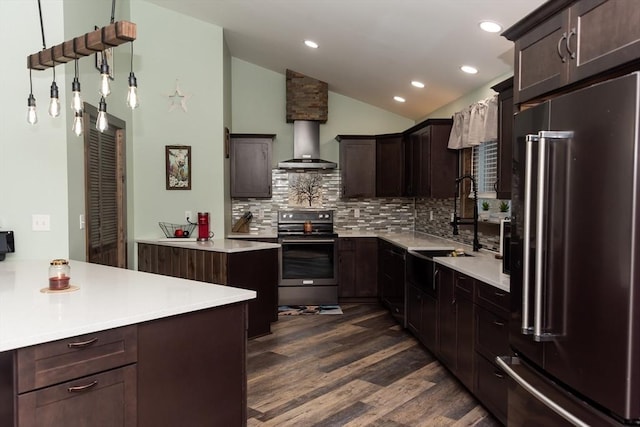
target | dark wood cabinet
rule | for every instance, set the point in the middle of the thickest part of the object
(358, 269)
(506, 110)
(250, 156)
(465, 357)
(430, 167)
(560, 46)
(255, 270)
(491, 340)
(390, 165)
(445, 282)
(357, 165)
(391, 278)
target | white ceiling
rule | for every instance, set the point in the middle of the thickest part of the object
(370, 50)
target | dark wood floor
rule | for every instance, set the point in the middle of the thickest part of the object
(356, 369)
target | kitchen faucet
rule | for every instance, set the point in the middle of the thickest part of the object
(461, 221)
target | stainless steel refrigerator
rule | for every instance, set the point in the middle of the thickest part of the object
(575, 268)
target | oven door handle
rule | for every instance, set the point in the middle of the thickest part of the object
(307, 240)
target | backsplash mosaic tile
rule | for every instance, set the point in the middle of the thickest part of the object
(401, 214)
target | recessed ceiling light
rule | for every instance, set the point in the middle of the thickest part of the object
(311, 44)
(490, 26)
(399, 99)
(469, 69)
(417, 84)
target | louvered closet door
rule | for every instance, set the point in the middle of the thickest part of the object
(106, 243)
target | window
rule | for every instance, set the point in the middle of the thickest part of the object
(485, 168)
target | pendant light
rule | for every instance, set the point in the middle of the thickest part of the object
(54, 102)
(76, 98)
(105, 87)
(132, 95)
(78, 125)
(102, 123)
(32, 115)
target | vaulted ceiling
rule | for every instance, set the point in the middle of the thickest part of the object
(371, 50)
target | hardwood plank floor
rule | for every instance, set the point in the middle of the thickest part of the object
(356, 369)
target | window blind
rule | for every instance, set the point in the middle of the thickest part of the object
(485, 168)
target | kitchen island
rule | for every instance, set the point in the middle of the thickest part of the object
(120, 348)
(243, 264)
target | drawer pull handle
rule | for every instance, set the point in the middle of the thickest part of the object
(82, 344)
(498, 374)
(500, 294)
(79, 388)
(498, 323)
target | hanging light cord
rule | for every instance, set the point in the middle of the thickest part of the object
(131, 56)
(30, 82)
(44, 45)
(113, 10)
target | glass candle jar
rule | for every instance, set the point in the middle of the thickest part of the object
(59, 274)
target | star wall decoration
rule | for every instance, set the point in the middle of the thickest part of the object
(178, 99)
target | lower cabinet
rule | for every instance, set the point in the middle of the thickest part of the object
(466, 327)
(254, 270)
(358, 269)
(391, 278)
(188, 369)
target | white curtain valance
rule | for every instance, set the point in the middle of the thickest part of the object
(475, 124)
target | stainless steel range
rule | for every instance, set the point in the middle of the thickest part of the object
(308, 258)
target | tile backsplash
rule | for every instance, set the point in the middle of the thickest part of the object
(400, 214)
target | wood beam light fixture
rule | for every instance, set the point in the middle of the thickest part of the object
(99, 40)
(96, 41)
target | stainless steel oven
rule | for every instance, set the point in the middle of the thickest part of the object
(308, 258)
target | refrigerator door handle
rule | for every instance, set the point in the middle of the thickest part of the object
(543, 137)
(527, 329)
(502, 363)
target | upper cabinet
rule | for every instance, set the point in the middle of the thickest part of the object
(505, 134)
(250, 156)
(430, 168)
(358, 165)
(389, 165)
(564, 42)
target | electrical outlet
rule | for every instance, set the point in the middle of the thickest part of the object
(430, 215)
(356, 212)
(187, 216)
(82, 223)
(261, 213)
(40, 222)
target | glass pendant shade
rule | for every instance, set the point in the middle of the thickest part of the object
(132, 95)
(76, 98)
(105, 87)
(54, 102)
(101, 123)
(32, 115)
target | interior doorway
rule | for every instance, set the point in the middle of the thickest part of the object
(105, 190)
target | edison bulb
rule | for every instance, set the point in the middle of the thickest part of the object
(78, 125)
(76, 98)
(105, 87)
(32, 115)
(132, 95)
(54, 102)
(102, 123)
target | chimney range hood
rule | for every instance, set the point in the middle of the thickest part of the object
(306, 147)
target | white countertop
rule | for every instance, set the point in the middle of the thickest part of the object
(107, 298)
(214, 245)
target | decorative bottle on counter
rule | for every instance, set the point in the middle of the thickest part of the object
(59, 274)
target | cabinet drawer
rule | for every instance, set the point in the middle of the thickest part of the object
(347, 244)
(492, 388)
(492, 333)
(464, 285)
(106, 399)
(492, 298)
(57, 361)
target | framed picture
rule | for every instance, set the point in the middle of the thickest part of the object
(178, 167)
